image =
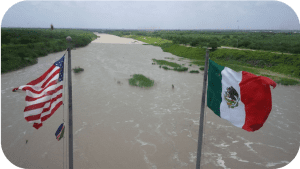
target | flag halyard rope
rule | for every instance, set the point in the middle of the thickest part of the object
(64, 110)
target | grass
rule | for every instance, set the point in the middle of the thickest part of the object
(176, 67)
(286, 81)
(149, 40)
(280, 63)
(78, 69)
(237, 67)
(169, 58)
(194, 71)
(166, 68)
(282, 80)
(180, 69)
(164, 62)
(141, 81)
(236, 63)
(251, 61)
(199, 62)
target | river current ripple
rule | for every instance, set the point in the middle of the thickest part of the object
(116, 125)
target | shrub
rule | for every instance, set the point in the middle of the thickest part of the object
(141, 81)
(78, 69)
(166, 68)
(180, 69)
(194, 71)
(213, 45)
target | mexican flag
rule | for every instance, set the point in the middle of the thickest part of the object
(242, 98)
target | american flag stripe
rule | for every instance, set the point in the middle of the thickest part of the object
(49, 114)
(44, 109)
(42, 104)
(44, 94)
(41, 109)
(50, 88)
(44, 112)
(46, 82)
(38, 90)
(55, 76)
(33, 100)
(44, 76)
(45, 115)
(41, 114)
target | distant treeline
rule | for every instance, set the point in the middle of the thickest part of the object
(287, 42)
(20, 47)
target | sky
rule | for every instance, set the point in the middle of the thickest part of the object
(152, 14)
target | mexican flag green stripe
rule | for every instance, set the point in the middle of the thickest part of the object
(242, 98)
(214, 87)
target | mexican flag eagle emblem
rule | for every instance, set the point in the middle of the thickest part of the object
(231, 97)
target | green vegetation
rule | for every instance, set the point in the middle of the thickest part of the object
(21, 47)
(163, 62)
(166, 68)
(286, 81)
(236, 67)
(199, 62)
(176, 67)
(180, 69)
(149, 40)
(269, 41)
(183, 51)
(78, 69)
(194, 71)
(238, 60)
(282, 80)
(281, 63)
(141, 81)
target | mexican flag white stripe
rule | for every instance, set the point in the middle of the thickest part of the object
(237, 115)
(242, 98)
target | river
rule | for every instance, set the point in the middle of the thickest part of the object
(119, 126)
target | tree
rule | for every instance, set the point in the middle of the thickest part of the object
(213, 44)
(52, 27)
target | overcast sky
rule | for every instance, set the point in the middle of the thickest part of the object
(153, 14)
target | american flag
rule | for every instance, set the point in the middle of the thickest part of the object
(44, 94)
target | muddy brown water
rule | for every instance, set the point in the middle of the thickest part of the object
(118, 126)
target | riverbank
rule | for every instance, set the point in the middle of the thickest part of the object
(20, 47)
(283, 42)
(282, 68)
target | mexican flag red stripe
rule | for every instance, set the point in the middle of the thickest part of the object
(242, 98)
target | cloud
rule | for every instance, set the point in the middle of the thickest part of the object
(167, 15)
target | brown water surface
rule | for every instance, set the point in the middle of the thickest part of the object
(119, 126)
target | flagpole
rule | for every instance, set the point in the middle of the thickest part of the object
(69, 39)
(200, 135)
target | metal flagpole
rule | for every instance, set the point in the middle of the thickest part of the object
(69, 39)
(200, 135)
